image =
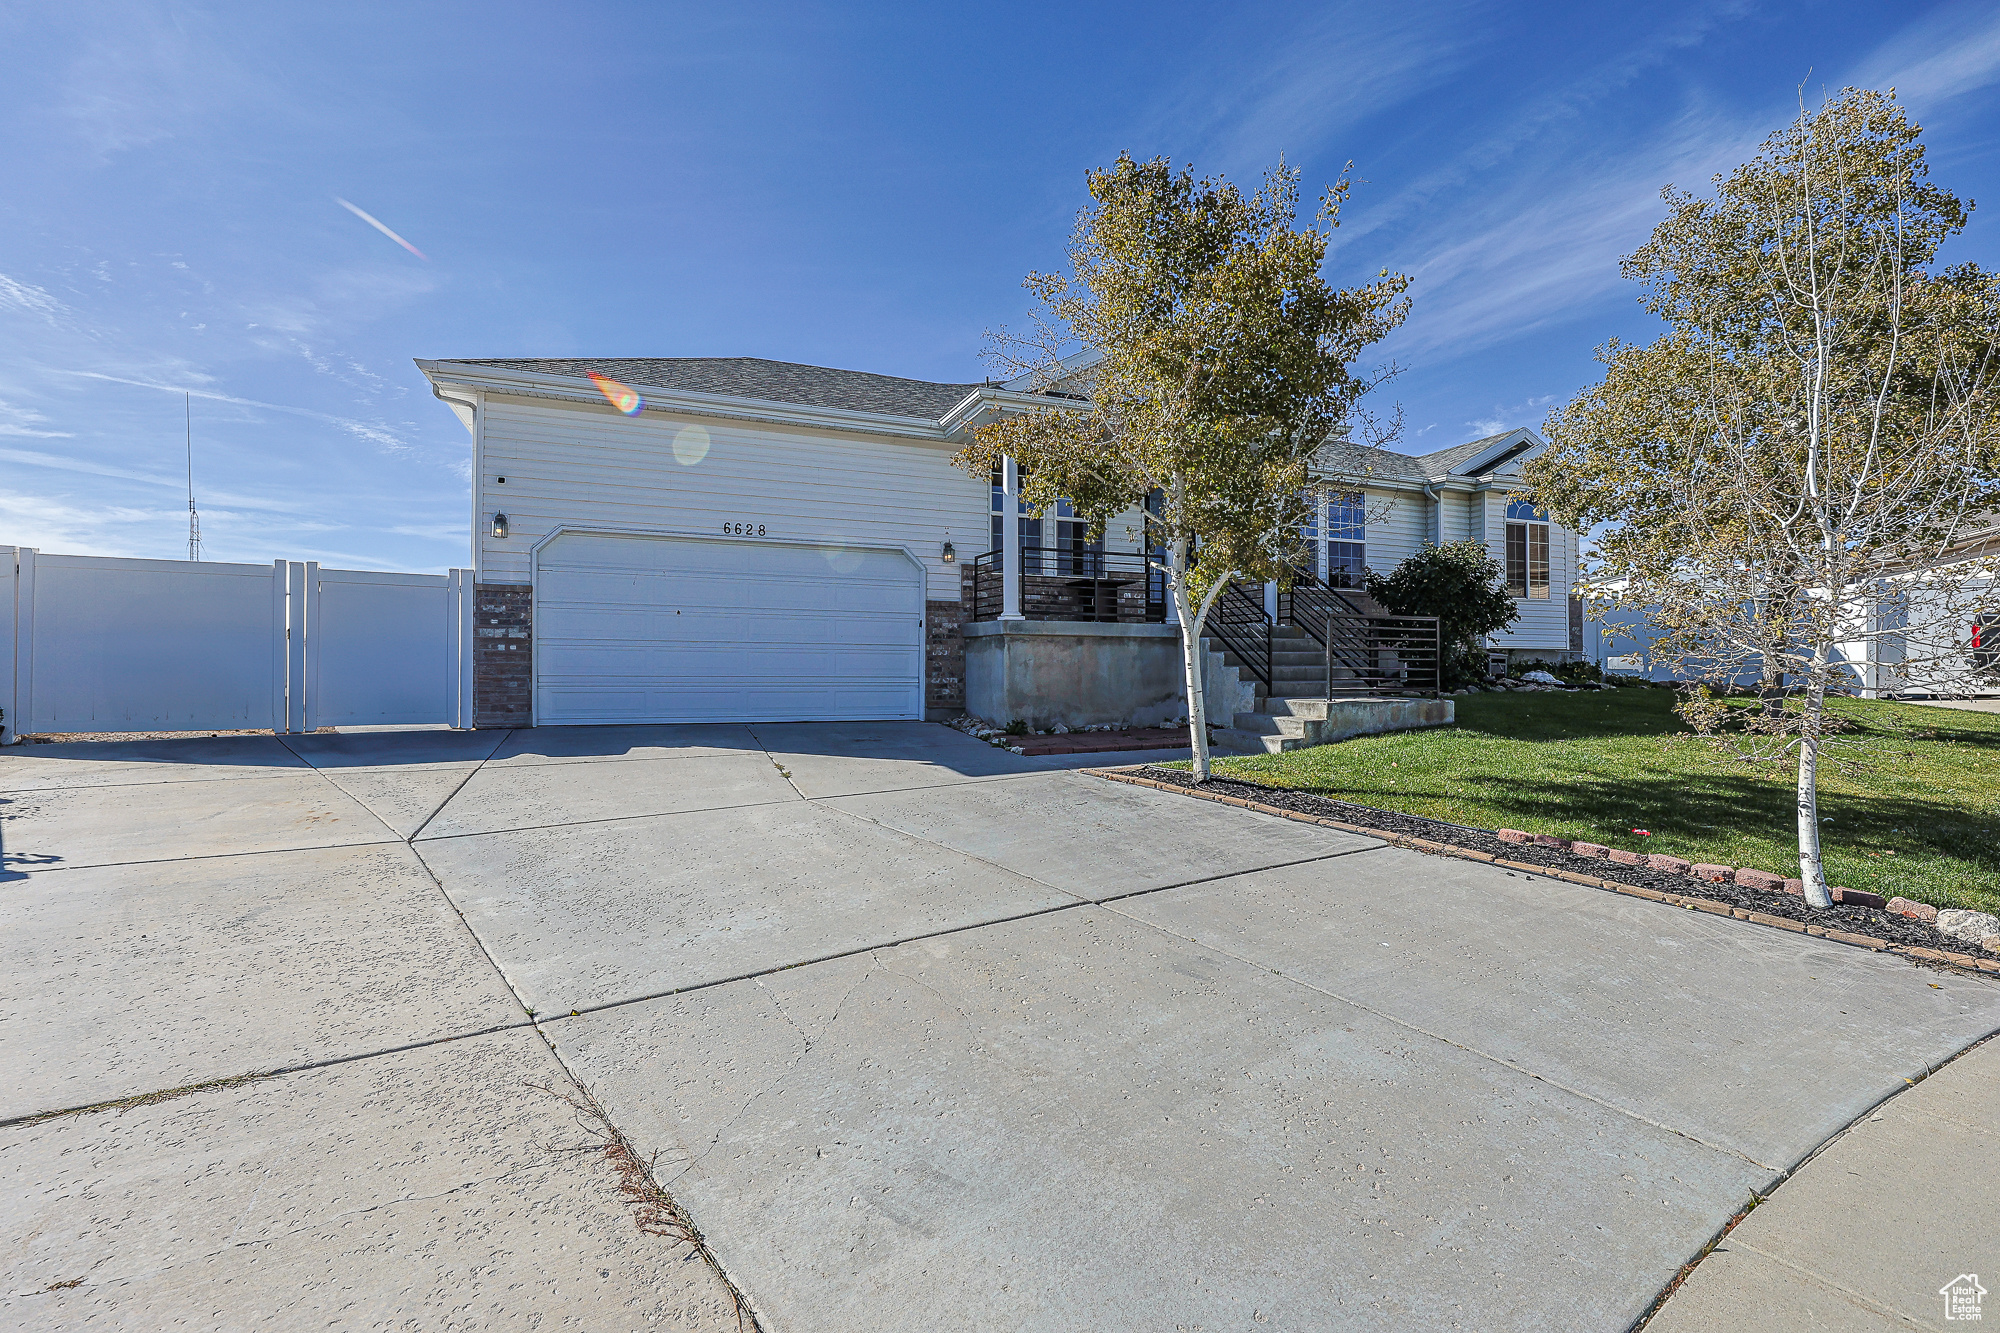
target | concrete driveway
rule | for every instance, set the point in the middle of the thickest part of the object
(925, 1035)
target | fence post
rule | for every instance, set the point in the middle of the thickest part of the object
(11, 639)
(310, 721)
(461, 639)
(21, 717)
(295, 647)
(281, 631)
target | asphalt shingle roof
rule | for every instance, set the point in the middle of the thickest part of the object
(754, 377)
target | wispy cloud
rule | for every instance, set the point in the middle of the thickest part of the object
(30, 299)
(1954, 51)
(1302, 87)
(374, 433)
(23, 421)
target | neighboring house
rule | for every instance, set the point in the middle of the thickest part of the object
(1925, 634)
(760, 540)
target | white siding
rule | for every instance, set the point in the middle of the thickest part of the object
(1397, 525)
(586, 466)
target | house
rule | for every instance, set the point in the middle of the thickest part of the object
(736, 539)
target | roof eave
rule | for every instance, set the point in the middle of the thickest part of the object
(685, 402)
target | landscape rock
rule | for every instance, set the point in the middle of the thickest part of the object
(1625, 858)
(1796, 887)
(1991, 944)
(1713, 874)
(1551, 840)
(1540, 677)
(1971, 927)
(1673, 865)
(1858, 898)
(1514, 835)
(1588, 849)
(1915, 911)
(1760, 879)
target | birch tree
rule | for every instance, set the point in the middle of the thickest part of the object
(1814, 437)
(1228, 360)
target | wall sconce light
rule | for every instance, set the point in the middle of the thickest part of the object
(499, 525)
(949, 554)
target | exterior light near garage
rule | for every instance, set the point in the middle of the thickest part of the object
(499, 525)
(949, 554)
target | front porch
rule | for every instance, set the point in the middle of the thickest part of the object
(1078, 637)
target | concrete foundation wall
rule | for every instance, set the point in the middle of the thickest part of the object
(1046, 672)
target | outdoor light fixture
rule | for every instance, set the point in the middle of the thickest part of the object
(949, 554)
(499, 525)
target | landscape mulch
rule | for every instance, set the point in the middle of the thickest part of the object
(1900, 931)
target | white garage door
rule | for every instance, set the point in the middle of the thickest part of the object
(696, 629)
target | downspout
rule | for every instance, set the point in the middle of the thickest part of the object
(1437, 511)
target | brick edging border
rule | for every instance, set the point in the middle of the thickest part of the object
(1709, 905)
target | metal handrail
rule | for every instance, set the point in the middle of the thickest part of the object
(1366, 651)
(1073, 584)
(1237, 618)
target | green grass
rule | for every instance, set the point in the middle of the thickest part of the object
(1919, 819)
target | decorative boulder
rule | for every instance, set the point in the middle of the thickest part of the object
(1540, 677)
(1972, 927)
(1915, 911)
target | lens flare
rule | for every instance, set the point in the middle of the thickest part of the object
(376, 223)
(622, 397)
(690, 445)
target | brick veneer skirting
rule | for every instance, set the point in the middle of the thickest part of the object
(944, 652)
(503, 655)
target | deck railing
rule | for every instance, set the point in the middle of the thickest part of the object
(1071, 583)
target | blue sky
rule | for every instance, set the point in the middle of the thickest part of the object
(859, 186)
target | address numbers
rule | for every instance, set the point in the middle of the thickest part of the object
(743, 529)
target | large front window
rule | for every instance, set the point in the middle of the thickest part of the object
(1527, 551)
(1336, 534)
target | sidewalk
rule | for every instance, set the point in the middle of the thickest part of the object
(1864, 1236)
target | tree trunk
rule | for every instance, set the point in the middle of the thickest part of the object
(1811, 869)
(1191, 665)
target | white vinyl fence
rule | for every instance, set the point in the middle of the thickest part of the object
(98, 644)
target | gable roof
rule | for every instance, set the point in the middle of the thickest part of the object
(1471, 457)
(1474, 458)
(755, 377)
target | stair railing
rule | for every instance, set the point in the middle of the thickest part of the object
(1237, 619)
(1367, 652)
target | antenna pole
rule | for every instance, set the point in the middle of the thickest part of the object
(194, 519)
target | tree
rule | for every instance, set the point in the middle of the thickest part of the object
(1464, 587)
(1227, 362)
(1816, 431)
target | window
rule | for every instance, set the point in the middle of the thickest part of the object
(1527, 551)
(1065, 551)
(1336, 533)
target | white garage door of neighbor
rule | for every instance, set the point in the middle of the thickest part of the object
(695, 629)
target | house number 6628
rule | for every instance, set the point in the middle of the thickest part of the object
(743, 529)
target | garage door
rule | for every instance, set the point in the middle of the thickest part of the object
(696, 629)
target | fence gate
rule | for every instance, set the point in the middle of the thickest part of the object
(99, 644)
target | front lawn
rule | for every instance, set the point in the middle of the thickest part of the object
(1920, 821)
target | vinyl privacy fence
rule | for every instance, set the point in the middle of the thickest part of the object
(99, 644)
